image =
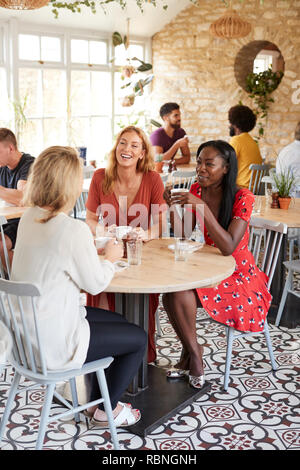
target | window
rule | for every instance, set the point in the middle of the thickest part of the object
(67, 91)
(88, 51)
(43, 99)
(134, 50)
(6, 106)
(40, 48)
(90, 104)
(262, 62)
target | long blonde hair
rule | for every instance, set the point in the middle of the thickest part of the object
(143, 166)
(54, 181)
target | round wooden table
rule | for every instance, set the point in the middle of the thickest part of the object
(290, 217)
(160, 273)
(12, 212)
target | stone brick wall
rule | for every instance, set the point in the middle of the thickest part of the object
(197, 70)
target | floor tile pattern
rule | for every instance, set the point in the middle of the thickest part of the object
(261, 409)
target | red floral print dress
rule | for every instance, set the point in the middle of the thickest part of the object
(243, 299)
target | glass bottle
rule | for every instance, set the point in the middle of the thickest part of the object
(100, 229)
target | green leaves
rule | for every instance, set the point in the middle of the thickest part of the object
(284, 182)
(263, 83)
(139, 86)
(155, 123)
(75, 6)
(260, 86)
(117, 39)
(144, 67)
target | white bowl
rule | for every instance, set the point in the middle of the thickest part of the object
(121, 231)
(101, 242)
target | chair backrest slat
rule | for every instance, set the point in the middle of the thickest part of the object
(5, 317)
(184, 179)
(15, 331)
(26, 337)
(3, 221)
(20, 316)
(257, 172)
(272, 234)
(40, 346)
(164, 178)
(275, 259)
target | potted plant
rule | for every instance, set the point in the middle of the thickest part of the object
(158, 159)
(285, 183)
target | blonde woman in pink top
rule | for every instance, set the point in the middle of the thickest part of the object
(128, 192)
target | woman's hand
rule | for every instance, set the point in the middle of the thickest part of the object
(167, 195)
(113, 250)
(185, 197)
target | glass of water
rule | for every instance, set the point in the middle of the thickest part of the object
(182, 248)
(257, 206)
(134, 252)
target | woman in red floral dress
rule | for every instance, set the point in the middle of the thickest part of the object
(242, 300)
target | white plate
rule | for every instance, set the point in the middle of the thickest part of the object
(120, 265)
(191, 249)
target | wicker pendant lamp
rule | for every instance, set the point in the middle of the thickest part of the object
(23, 4)
(230, 26)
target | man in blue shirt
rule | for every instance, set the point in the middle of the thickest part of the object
(170, 137)
(14, 168)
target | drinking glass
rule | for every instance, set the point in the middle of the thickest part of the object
(134, 252)
(268, 194)
(257, 206)
(181, 249)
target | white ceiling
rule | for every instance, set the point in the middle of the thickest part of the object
(141, 24)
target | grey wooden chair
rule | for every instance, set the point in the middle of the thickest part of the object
(292, 267)
(29, 361)
(257, 173)
(80, 209)
(267, 263)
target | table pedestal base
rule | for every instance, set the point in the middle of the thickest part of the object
(157, 403)
(161, 400)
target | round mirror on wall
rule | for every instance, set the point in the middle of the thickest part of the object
(256, 57)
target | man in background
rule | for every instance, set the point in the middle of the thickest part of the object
(14, 168)
(242, 121)
(289, 157)
(169, 138)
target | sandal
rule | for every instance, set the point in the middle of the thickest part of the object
(89, 414)
(174, 373)
(196, 381)
(124, 419)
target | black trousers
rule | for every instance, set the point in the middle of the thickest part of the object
(112, 335)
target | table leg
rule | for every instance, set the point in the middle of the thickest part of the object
(132, 314)
(144, 323)
(151, 392)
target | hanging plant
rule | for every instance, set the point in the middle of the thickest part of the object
(76, 5)
(128, 70)
(260, 86)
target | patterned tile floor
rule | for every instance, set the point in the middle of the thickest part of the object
(260, 411)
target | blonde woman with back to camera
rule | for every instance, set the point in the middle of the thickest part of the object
(57, 253)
